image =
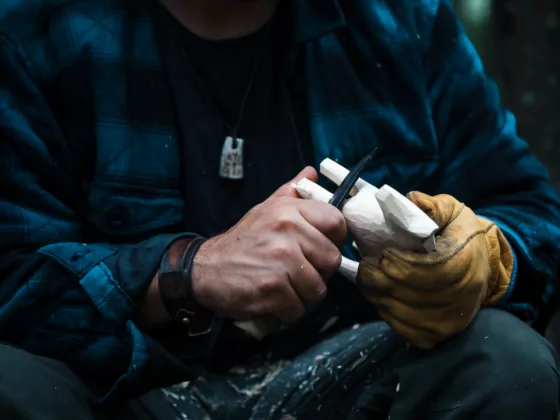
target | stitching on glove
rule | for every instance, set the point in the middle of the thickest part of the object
(437, 260)
(453, 218)
(494, 280)
(490, 226)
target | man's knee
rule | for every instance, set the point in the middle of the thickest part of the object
(33, 387)
(497, 332)
(516, 361)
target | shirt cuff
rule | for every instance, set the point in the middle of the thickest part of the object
(134, 266)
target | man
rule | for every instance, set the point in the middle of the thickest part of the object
(147, 151)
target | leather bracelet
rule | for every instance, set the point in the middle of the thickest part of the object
(175, 288)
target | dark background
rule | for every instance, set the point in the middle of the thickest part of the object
(519, 41)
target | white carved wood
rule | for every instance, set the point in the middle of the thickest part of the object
(376, 219)
(349, 269)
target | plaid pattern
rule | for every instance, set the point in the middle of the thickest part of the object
(84, 78)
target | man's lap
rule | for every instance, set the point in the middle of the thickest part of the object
(498, 367)
(326, 378)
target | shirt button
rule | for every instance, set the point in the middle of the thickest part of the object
(117, 215)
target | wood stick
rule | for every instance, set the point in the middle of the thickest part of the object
(411, 225)
(258, 328)
(376, 218)
(383, 214)
(349, 269)
(308, 190)
(336, 173)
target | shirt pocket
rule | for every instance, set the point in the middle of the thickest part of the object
(124, 210)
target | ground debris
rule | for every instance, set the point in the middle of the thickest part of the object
(273, 370)
(330, 322)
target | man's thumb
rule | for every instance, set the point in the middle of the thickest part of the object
(287, 190)
(440, 208)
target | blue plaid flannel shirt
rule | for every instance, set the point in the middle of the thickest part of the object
(84, 78)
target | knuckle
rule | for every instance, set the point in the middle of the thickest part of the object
(320, 293)
(336, 259)
(284, 223)
(281, 252)
(257, 310)
(314, 288)
(270, 286)
(333, 259)
(336, 225)
(339, 222)
(281, 203)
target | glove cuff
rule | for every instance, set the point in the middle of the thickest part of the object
(501, 261)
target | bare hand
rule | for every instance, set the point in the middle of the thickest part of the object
(274, 261)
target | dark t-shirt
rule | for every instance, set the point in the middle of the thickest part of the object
(277, 146)
(215, 78)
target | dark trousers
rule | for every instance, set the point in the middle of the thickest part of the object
(497, 369)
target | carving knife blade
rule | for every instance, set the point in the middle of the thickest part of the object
(350, 180)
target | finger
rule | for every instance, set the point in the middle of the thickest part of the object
(309, 190)
(412, 292)
(287, 190)
(420, 271)
(319, 251)
(441, 208)
(307, 281)
(372, 282)
(287, 305)
(427, 314)
(336, 173)
(325, 218)
(443, 322)
(402, 214)
(417, 337)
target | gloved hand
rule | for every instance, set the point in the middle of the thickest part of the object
(429, 297)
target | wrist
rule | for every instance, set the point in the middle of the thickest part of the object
(176, 289)
(202, 268)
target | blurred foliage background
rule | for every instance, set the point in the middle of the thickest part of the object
(519, 42)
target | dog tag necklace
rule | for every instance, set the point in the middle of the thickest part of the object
(231, 157)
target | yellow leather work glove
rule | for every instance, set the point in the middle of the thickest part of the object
(429, 297)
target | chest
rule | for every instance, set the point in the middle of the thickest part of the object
(344, 108)
(367, 97)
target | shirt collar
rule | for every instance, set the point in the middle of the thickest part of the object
(313, 18)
